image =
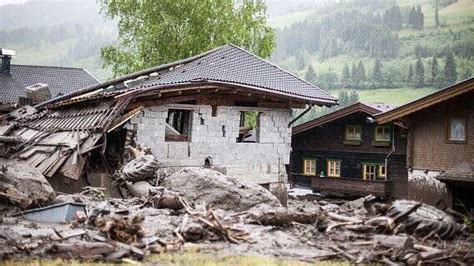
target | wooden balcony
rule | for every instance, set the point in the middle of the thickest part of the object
(353, 186)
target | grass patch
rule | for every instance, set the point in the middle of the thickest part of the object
(395, 96)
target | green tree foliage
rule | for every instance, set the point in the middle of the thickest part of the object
(377, 74)
(153, 32)
(419, 73)
(310, 75)
(355, 78)
(416, 18)
(361, 71)
(392, 18)
(434, 70)
(346, 74)
(353, 97)
(450, 74)
(436, 15)
(410, 74)
(343, 98)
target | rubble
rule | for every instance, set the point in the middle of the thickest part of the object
(218, 190)
(23, 185)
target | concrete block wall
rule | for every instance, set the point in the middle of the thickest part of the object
(260, 162)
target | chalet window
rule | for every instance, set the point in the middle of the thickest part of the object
(457, 129)
(382, 172)
(353, 132)
(309, 167)
(369, 171)
(249, 126)
(382, 133)
(178, 125)
(334, 168)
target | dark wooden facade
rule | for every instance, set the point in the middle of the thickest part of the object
(432, 154)
(327, 142)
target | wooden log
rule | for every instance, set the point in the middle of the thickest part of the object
(397, 242)
(81, 249)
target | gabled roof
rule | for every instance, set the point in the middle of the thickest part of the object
(427, 101)
(61, 80)
(227, 65)
(368, 108)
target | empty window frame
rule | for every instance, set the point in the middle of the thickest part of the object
(249, 126)
(309, 166)
(334, 168)
(353, 132)
(383, 133)
(178, 125)
(457, 129)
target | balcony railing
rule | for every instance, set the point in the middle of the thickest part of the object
(351, 185)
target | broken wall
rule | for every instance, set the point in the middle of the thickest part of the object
(260, 162)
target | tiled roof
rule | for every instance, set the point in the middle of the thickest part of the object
(232, 64)
(368, 108)
(61, 80)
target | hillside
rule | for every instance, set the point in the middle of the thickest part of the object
(333, 37)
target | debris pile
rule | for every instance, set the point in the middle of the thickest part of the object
(359, 231)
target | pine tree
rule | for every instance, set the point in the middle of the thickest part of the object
(346, 74)
(450, 74)
(410, 74)
(377, 72)
(353, 97)
(419, 73)
(343, 98)
(436, 16)
(354, 74)
(361, 71)
(434, 70)
(310, 75)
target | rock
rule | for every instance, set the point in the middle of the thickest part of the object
(211, 187)
(23, 185)
(265, 215)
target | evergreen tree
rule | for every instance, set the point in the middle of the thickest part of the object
(343, 98)
(355, 78)
(410, 74)
(450, 74)
(353, 97)
(434, 70)
(300, 63)
(346, 74)
(310, 75)
(419, 73)
(377, 75)
(436, 16)
(361, 71)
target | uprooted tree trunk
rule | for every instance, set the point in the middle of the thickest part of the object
(160, 197)
(22, 185)
(281, 216)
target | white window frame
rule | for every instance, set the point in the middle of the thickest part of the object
(334, 168)
(306, 162)
(351, 132)
(386, 131)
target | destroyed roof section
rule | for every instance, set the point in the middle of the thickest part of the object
(61, 80)
(231, 64)
(91, 117)
(427, 101)
(370, 109)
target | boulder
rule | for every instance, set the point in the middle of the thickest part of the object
(23, 185)
(201, 185)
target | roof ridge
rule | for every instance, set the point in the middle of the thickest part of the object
(282, 70)
(43, 66)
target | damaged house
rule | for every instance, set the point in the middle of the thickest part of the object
(226, 109)
(440, 146)
(347, 152)
(27, 84)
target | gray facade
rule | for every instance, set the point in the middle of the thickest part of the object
(261, 162)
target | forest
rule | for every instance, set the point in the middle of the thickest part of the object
(374, 50)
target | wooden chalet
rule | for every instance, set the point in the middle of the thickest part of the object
(440, 145)
(348, 152)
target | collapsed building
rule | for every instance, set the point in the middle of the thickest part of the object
(226, 109)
